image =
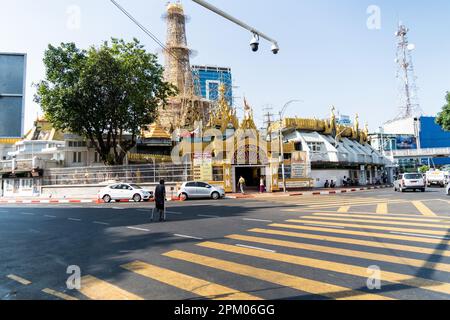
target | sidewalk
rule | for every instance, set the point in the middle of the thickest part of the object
(255, 195)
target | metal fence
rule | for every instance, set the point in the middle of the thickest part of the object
(127, 174)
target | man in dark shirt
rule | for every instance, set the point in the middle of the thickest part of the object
(160, 199)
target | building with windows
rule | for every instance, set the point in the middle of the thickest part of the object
(12, 99)
(207, 80)
(413, 142)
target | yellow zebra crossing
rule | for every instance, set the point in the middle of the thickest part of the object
(329, 241)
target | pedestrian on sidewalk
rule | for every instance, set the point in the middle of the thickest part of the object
(262, 185)
(160, 200)
(242, 184)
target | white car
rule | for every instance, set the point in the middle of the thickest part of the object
(200, 190)
(410, 181)
(124, 191)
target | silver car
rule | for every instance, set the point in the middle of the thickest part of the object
(200, 190)
(410, 181)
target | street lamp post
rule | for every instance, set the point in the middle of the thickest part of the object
(280, 137)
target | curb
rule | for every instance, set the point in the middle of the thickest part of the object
(176, 199)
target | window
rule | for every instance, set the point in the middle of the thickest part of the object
(315, 147)
(202, 185)
(190, 184)
(77, 157)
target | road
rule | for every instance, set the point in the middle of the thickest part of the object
(305, 247)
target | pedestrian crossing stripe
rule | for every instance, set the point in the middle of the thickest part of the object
(18, 279)
(365, 226)
(390, 217)
(423, 209)
(346, 252)
(282, 279)
(97, 289)
(187, 283)
(382, 208)
(59, 295)
(344, 209)
(386, 222)
(342, 268)
(365, 243)
(359, 233)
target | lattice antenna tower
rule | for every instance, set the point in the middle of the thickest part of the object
(408, 91)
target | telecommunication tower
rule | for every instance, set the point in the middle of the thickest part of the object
(409, 101)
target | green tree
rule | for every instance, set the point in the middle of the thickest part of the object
(424, 169)
(443, 118)
(105, 94)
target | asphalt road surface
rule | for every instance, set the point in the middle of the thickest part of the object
(368, 245)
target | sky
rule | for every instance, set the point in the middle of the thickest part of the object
(329, 55)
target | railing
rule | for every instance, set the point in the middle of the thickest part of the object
(127, 174)
(419, 152)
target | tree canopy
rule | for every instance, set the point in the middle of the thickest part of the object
(105, 94)
(443, 118)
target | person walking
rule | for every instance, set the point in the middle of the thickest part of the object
(242, 184)
(262, 185)
(160, 200)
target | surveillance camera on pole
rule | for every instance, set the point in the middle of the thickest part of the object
(256, 34)
(275, 49)
(254, 44)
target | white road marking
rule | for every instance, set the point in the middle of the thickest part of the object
(27, 213)
(138, 229)
(172, 212)
(322, 226)
(257, 220)
(256, 248)
(419, 235)
(74, 219)
(187, 237)
(207, 216)
(117, 208)
(48, 216)
(102, 223)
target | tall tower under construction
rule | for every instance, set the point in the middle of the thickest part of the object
(177, 63)
(186, 110)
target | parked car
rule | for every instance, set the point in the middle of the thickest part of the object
(436, 178)
(200, 190)
(447, 190)
(124, 191)
(410, 181)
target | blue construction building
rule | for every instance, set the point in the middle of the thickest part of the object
(12, 94)
(207, 80)
(432, 136)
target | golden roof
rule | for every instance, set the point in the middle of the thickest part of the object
(156, 131)
(9, 140)
(225, 116)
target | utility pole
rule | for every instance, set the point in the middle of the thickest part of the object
(280, 137)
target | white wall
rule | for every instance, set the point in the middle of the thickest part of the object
(320, 176)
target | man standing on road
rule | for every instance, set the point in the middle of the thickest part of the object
(160, 199)
(242, 184)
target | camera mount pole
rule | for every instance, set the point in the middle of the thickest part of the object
(234, 20)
